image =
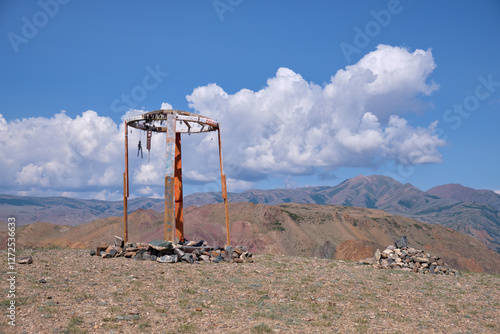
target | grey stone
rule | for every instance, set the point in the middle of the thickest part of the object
(129, 244)
(180, 253)
(148, 257)
(188, 258)
(229, 249)
(402, 242)
(105, 255)
(205, 258)
(92, 252)
(113, 252)
(168, 259)
(161, 245)
(244, 248)
(26, 260)
(118, 241)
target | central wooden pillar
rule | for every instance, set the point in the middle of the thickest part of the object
(179, 214)
(169, 215)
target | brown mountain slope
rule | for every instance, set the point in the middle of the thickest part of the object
(465, 194)
(291, 229)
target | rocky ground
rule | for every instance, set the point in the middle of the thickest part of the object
(68, 291)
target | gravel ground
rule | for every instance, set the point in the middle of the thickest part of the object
(68, 291)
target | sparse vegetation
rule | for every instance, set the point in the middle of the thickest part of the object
(276, 293)
(262, 328)
(294, 216)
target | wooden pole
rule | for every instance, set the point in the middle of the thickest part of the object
(125, 188)
(224, 189)
(169, 215)
(179, 214)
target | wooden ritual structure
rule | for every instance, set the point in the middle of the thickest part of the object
(173, 123)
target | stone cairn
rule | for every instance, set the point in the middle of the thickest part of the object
(401, 256)
(168, 252)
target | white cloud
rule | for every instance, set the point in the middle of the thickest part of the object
(166, 105)
(238, 185)
(497, 191)
(289, 127)
(68, 156)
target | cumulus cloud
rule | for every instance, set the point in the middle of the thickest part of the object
(289, 127)
(79, 157)
(292, 126)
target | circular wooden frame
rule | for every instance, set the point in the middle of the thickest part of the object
(186, 122)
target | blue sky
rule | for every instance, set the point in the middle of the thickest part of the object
(307, 93)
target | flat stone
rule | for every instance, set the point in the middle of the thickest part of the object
(368, 260)
(26, 260)
(161, 245)
(391, 247)
(167, 259)
(105, 255)
(239, 250)
(421, 259)
(386, 253)
(205, 258)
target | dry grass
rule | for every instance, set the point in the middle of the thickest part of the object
(278, 294)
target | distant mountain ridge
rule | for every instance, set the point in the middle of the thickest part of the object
(454, 206)
(470, 216)
(465, 194)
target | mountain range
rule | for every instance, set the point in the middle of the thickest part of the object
(474, 212)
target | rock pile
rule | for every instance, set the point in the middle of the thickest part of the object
(401, 256)
(168, 252)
